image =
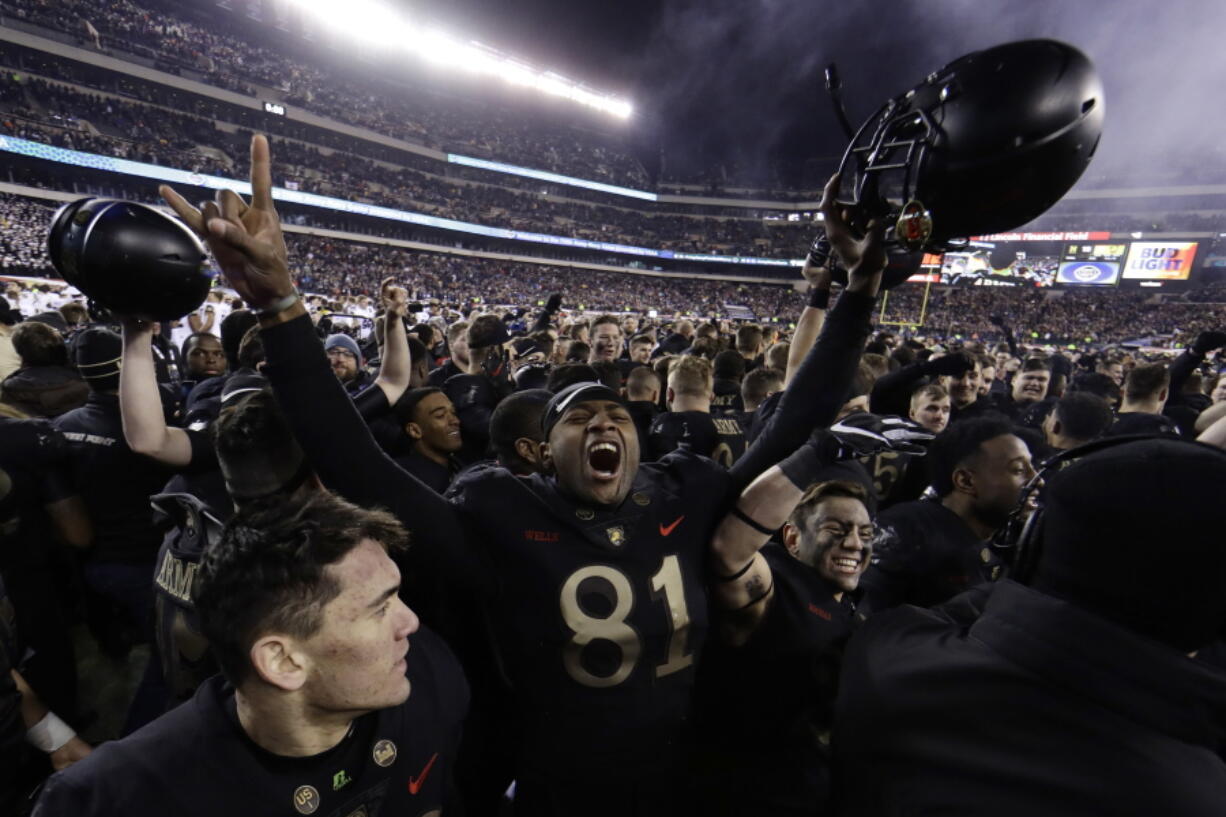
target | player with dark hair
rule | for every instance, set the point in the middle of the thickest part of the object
(203, 356)
(1145, 391)
(1076, 419)
(330, 697)
(591, 576)
(939, 547)
(515, 431)
(429, 419)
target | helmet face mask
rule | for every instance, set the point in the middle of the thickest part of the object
(986, 144)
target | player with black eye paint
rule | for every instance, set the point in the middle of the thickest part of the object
(589, 577)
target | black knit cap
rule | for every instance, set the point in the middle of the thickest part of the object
(97, 354)
(1134, 533)
(573, 395)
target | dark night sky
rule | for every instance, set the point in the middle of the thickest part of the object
(744, 76)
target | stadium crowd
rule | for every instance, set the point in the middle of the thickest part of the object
(120, 128)
(371, 100)
(335, 267)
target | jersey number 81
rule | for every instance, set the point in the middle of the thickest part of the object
(666, 586)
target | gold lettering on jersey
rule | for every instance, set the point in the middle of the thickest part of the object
(585, 514)
(641, 499)
(306, 800)
(617, 535)
(384, 753)
(986, 555)
(92, 439)
(176, 577)
(727, 426)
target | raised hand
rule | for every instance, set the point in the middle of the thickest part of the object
(863, 255)
(395, 299)
(245, 238)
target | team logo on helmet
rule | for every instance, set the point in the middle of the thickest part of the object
(914, 226)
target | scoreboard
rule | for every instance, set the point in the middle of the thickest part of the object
(1091, 264)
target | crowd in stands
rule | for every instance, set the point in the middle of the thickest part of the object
(335, 267)
(50, 113)
(369, 100)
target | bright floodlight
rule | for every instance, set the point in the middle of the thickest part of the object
(376, 23)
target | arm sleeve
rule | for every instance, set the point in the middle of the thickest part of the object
(892, 392)
(371, 403)
(813, 399)
(1181, 369)
(1012, 341)
(350, 462)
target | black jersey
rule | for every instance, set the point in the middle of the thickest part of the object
(929, 556)
(600, 613)
(766, 708)
(716, 436)
(197, 760)
(182, 648)
(114, 481)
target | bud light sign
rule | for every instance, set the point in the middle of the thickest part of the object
(1088, 273)
(1160, 260)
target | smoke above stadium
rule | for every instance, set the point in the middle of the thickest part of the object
(741, 79)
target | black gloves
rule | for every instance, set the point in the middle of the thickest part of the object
(855, 436)
(864, 434)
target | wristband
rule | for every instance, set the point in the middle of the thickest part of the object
(803, 466)
(819, 298)
(278, 306)
(49, 734)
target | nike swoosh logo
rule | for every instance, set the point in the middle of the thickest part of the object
(665, 530)
(415, 783)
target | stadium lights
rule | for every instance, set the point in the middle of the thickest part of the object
(378, 24)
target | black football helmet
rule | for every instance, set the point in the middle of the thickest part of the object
(983, 145)
(129, 258)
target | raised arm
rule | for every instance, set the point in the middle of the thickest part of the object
(247, 242)
(741, 580)
(395, 366)
(812, 319)
(824, 378)
(140, 404)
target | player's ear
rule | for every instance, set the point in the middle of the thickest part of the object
(413, 430)
(528, 450)
(791, 538)
(963, 481)
(277, 662)
(546, 458)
